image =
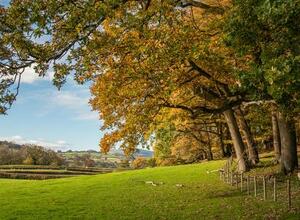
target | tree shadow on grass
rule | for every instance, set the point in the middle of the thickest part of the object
(225, 194)
(265, 164)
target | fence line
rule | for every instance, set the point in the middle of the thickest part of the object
(244, 182)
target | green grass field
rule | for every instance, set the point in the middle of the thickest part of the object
(125, 195)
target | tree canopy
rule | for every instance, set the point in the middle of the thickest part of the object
(193, 66)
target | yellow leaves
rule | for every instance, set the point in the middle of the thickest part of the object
(107, 142)
(110, 61)
(78, 28)
(134, 34)
(139, 163)
(144, 65)
(108, 28)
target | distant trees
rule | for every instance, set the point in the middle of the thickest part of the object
(29, 155)
(84, 160)
(11, 156)
(187, 150)
(188, 141)
(36, 155)
(139, 163)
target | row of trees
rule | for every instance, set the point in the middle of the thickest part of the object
(169, 72)
(29, 155)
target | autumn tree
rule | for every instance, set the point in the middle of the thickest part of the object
(44, 34)
(154, 65)
(148, 57)
(139, 163)
(267, 32)
(141, 54)
(164, 137)
(11, 63)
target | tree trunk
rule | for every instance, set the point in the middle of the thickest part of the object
(220, 136)
(237, 140)
(297, 124)
(288, 160)
(276, 137)
(252, 147)
(210, 155)
(228, 146)
(209, 152)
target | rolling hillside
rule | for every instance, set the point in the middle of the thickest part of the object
(181, 192)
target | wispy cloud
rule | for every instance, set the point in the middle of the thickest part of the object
(29, 76)
(56, 145)
(77, 101)
(73, 100)
(70, 99)
(87, 116)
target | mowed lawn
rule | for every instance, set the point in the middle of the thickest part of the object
(125, 195)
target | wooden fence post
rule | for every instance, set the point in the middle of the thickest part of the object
(225, 171)
(255, 190)
(242, 179)
(288, 184)
(248, 188)
(228, 172)
(264, 187)
(228, 179)
(274, 189)
(231, 178)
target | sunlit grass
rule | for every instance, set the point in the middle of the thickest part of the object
(125, 195)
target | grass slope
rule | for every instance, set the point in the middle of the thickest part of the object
(125, 195)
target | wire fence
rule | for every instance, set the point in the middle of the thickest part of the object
(267, 184)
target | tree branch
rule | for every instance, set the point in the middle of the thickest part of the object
(200, 4)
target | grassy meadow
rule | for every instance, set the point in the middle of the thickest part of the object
(182, 192)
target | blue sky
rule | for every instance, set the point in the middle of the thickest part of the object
(4, 2)
(56, 119)
(45, 116)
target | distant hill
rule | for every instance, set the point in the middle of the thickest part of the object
(116, 152)
(139, 153)
(144, 153)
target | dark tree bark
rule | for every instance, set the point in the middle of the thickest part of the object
(209, 152)
(237, 140)
(297, 124)
(228, 146)
(276, 137)
(252, 147)
(220, 136)
(289, 159)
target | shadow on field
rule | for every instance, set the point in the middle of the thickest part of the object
(224, 194)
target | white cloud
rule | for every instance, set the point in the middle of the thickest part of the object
(29, 76)
(61, 142)
(77, 101)
(70, 99)
(87, 116)
(57, 145)
(74, 99)
(17, 137)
